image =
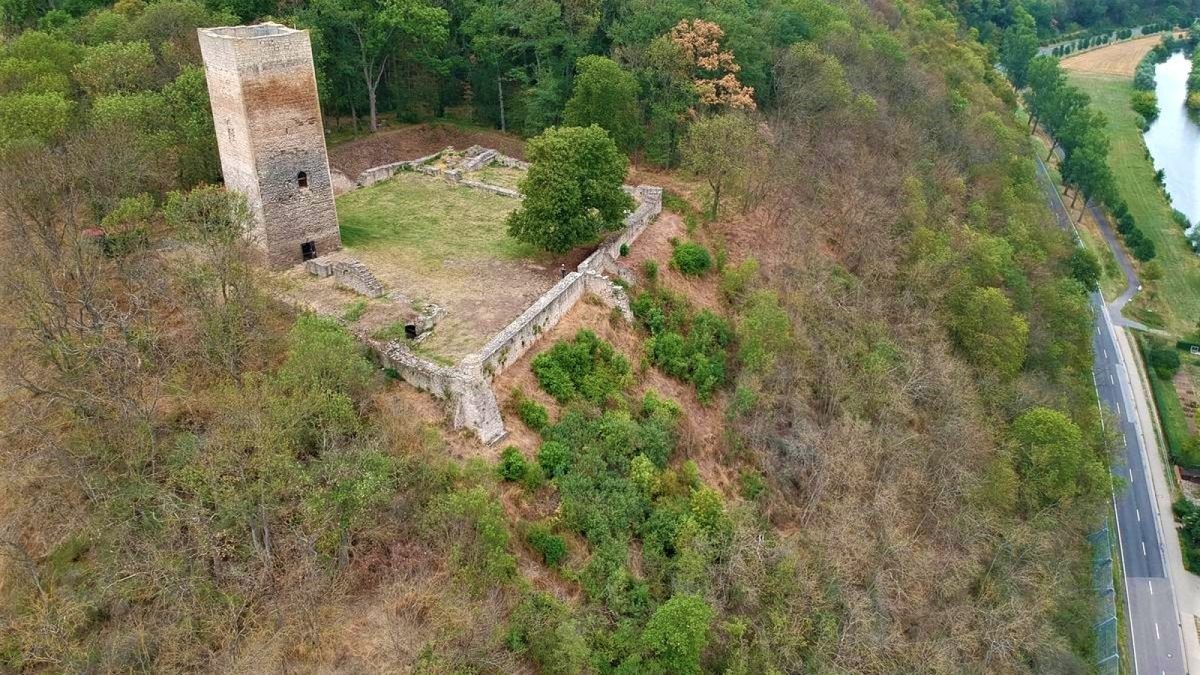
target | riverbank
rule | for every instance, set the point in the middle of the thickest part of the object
(1171, 302)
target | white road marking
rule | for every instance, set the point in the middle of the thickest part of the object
(1110, 379)
(1139, 514)
(1156, 635)
(1131, 474)
(1105, 353)
(1143, 548)
(1151, 585)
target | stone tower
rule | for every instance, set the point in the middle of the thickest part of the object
(263, 91)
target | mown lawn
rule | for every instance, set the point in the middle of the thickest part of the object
(1174, 301)
(428, 221)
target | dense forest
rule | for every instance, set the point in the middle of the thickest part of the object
(1055, 17)
(195, 478)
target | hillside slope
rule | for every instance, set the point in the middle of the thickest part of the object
(864, 441)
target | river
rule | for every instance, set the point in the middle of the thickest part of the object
(1174, 138)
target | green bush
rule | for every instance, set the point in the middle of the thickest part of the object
(1145, 103)
(691, 259)
(583, 368)
(677, 634)
(735, 280)
(624, 250)
(542, 628)
(687, 346)
(473, 523)
(650, 269)
(1188, 515)
(554, 458)
(533, 414)
(550, 546)
(1164, 361)
(513, 466)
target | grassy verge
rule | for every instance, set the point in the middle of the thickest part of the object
(1171, 415)
(1112, 280)
(1124, 646)
(1173, 302)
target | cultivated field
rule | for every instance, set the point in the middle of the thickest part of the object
(1117, 59)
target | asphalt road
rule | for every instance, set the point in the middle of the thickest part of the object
(1153, 619)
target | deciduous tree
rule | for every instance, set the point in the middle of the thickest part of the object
(717, 149)
(572, 190)
(604, 95)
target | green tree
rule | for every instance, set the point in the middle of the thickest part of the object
(383, 33)
(718, 149)
(604, 95)
(188, 117)
(39, 117)
(1085, 268)
(1164, 361)
(989, 331)
(811, 83)
(115, 67)
(677, 633)
(1045, 79)
(1052, 460)
(572, 190)
(1019, 46)
(217, 278)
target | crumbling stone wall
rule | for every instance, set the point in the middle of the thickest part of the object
(606, 256)
(466, 387)
(474, 158)
(263, 92)
(470, 401)
(348, 273)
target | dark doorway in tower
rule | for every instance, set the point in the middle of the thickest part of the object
(308, 250)
(302, 180)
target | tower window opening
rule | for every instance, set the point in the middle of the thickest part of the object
(302, 179)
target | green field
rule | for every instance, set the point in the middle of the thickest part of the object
(429, 221)
(1172, 303)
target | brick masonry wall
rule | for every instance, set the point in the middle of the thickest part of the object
(263, 92)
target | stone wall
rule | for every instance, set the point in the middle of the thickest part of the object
(470, 401)
(475, 158)
(466, 387)
(348, 273)
(604, 259)
(377, 173)
(263, 92)
(494, 189)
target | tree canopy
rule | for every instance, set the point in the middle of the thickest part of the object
(572, 190)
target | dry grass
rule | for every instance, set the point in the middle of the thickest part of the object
(1115, 59)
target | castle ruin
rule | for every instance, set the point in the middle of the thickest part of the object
(263, 91)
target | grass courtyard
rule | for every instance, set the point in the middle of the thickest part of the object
(430, 241)
(1172, 303)
(424, 222)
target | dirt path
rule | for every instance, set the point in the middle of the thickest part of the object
(1117, 59)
